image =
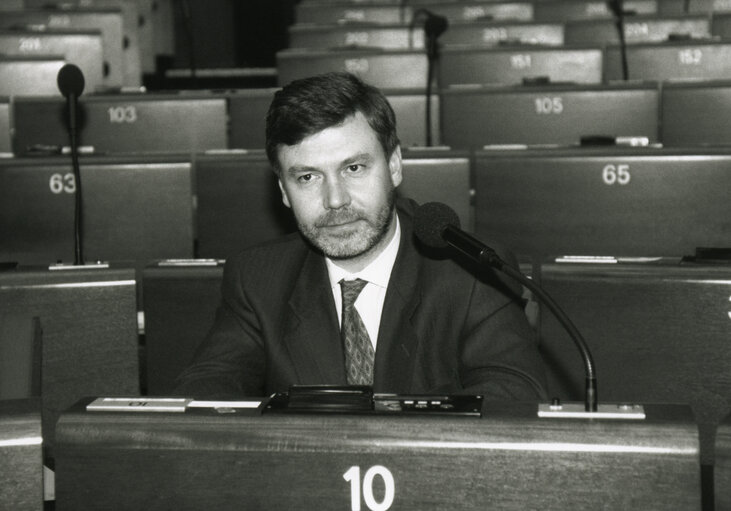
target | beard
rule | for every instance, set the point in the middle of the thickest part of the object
(349, 232)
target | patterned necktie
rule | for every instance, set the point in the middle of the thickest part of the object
(359, 352)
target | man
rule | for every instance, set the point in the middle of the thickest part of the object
(423, 325)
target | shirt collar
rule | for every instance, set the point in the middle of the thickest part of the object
(378, 272)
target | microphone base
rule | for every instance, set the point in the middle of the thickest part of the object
(604, 411)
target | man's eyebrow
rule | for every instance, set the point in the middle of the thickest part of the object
(298, 169)
(356, 158)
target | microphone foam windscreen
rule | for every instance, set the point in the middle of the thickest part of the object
(70, 80)
(430, 221)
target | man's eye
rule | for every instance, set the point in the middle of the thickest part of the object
(304, 178)
(354, 167)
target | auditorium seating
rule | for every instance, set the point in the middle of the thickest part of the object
(29, 75)
(126, 123)
(88, 318)
(393, 36)
(5, 145)
(83, 48)
(107, 21)
(658, 332)
(503, 31)
(674, 60)
(21, 344)
(638, 29)
(238, 203)
(548, 114)
(181, 175)
(21, 471)
(247, 110)
(570, 10)
(479, 10)
(181, 298)
(513, 64)
(696, 114)
(314, 12)
(390, 69)
(135, 209)
(603, 201)
(721, 25)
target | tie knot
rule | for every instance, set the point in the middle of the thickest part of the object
(350, 290)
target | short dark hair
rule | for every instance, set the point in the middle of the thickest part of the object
(310, 105)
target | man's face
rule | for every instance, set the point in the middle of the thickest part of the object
(340, 186)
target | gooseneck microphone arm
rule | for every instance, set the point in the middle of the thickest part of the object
(436, 225)
(434, 26)
(70, 82)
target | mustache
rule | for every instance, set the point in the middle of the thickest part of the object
(338, 216)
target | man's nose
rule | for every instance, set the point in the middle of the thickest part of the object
(336, 194)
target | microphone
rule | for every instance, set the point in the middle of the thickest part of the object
(70, 81)
(434, 25)
(436, 225)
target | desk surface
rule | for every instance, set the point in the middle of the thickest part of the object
(509, 457)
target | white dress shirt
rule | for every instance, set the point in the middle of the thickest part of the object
(369, 303)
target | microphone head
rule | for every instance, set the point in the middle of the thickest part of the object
(70, 80)
(430, 221)
(435, 25)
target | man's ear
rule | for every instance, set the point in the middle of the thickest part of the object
(285, 199)
(395, 166)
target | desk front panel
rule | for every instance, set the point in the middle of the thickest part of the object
(508, 461)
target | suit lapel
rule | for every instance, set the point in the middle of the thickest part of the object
(311, 333)
(397, 339)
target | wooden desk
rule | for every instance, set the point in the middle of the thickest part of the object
(21, 468)
(508, 459)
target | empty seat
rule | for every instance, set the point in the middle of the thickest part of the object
(566, 10)
(89, 322)
(492, 32)
(393, 36)
(134, 209)
(677, 60)
(394, 69)
(5, 138)
(83, 48)
(343, 12)
(247, 110)
(21, 345)
(30, 75)
(180, 305)
(550, 114)
(124, 123)
(604, 201)
(409, 106)
(696, 114)
(238, 203)
(440, 175)
(721, 25)
(107, 21)
(513, 64)
(21, 449)
(658, 333)
(480, 10)
(638, 29)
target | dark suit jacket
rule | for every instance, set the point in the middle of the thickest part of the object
(442, 330)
